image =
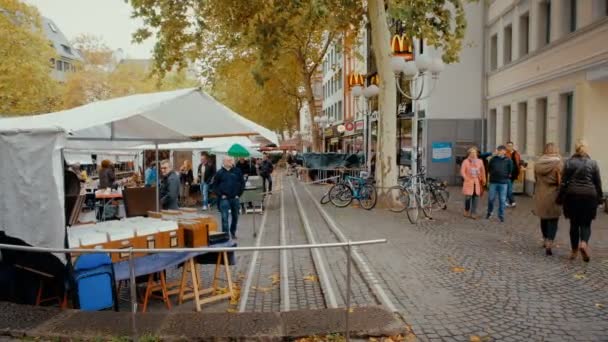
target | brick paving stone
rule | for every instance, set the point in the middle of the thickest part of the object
(509, 288)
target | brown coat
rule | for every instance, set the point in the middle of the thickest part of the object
(547, 171)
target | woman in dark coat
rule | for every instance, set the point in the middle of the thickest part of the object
(582, 192)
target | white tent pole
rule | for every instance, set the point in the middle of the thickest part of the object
(157, 180)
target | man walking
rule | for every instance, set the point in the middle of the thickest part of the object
(229, 185)
(516, 159)
(266, 172)
(169, 187)
(500, 169)
(206, 172)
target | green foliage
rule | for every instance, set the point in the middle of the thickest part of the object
(442, 23)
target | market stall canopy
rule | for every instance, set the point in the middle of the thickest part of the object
(203, 145)
(236, 150)
(143, 118)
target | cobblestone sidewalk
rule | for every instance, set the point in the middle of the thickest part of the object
(455, 279)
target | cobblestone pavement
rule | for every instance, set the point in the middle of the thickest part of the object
(454, 279)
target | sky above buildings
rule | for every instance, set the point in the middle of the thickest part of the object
(110, 19)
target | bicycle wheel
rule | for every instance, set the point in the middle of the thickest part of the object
(341, 195)
(439, 199)
(325, 198)
(368, 196)
(426, 202)
(412, 208)
(398, 199)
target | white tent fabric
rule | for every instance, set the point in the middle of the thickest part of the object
(31, 179)
(201, 145)
(143, 118)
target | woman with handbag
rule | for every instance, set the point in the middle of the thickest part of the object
(581, 192)
(547, 175)
(474, 176)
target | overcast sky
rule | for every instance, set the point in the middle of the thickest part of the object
(110, 19)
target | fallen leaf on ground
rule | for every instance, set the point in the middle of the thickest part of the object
(231, 310)
(475, 339)
(373, 339)
(599, 306)
(351, 310)
(311, 277)
(458, 269)
(263, 289)
(275, 279)
(580, 276)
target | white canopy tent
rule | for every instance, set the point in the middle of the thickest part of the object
(31, 179)
(138, 119)
(130, 121)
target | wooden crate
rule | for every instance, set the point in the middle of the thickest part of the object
(155, 214)
(171, 239)
(135, 242)
(195, 234)
(171, 212)
(209, 221)
(188, 210)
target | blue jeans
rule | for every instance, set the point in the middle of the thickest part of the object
(500, 191)
(205, 193)
(510, 198)
(233, 205)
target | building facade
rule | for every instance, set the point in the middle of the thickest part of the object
(547, 76)
(345, 113)
(67, 58)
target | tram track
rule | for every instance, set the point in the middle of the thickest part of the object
(308, 278)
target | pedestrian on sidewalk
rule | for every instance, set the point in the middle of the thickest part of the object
(515, 157)
(229, 185)
(581, 192)
(547, 175)
(500, 174)
(206, 172)
(266, 169)
(474, 175)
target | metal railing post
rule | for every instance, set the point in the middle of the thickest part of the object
(348, 288)
(132, 281)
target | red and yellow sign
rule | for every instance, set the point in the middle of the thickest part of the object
(402, 46)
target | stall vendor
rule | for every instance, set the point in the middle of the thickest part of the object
(169, 187)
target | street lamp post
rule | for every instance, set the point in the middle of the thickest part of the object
(323, 122)
(416, 71)
(356, 87)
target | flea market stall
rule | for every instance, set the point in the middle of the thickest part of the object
(36, 215)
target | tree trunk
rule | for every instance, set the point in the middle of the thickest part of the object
(386, 163)
(312, 109)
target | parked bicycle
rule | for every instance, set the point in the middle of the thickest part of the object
(420, 192)
(349, 188)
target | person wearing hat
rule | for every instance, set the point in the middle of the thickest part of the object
(474, 179)
(500, 169)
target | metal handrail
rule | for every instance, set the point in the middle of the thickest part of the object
(131, 251)
(194, 249)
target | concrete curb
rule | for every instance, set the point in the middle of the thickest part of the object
(51, 323)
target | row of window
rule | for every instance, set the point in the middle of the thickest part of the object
(62, 65)
(334, 112)
(333, 57)
(545, 20)
(333, 85)
(565, 122)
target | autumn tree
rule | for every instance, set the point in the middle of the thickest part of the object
(102, 77)
(303, 29)
(275, 103)
(26, 85)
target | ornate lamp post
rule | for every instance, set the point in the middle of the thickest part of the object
(356, 83)
(323, 122)
(415, 69)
